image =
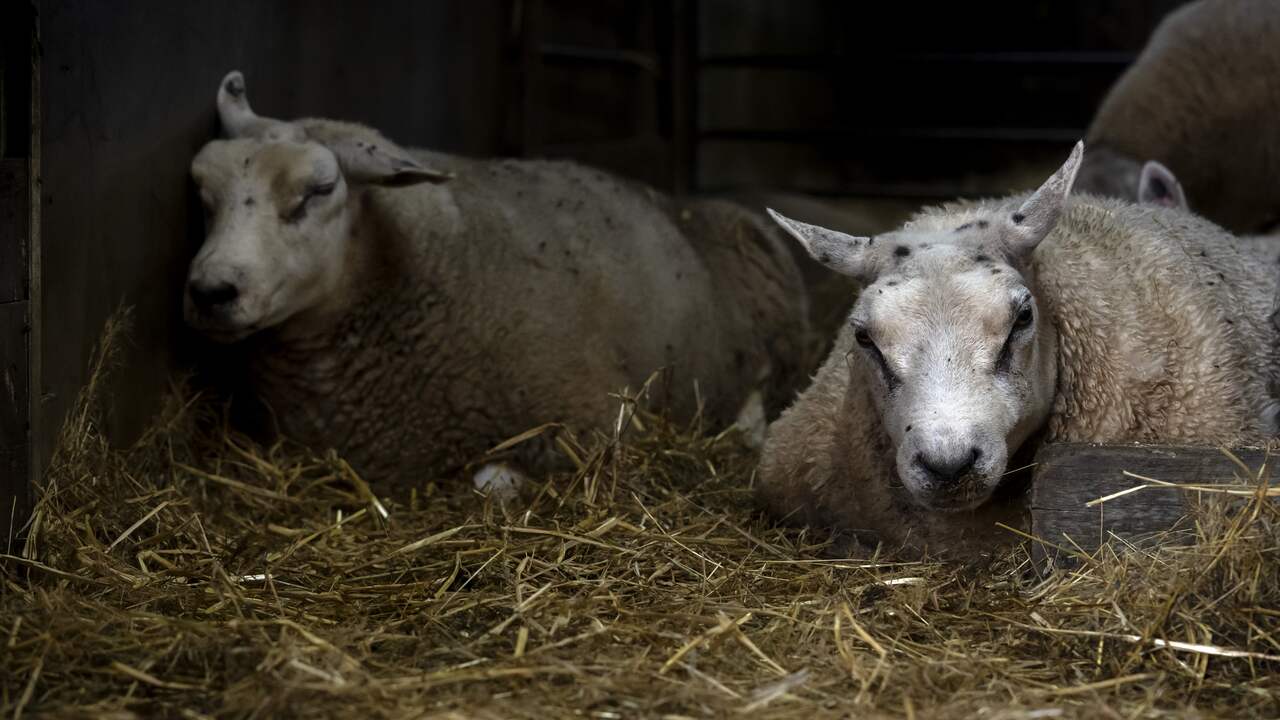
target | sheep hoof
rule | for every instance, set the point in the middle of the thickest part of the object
(751, 420)
(500, 481)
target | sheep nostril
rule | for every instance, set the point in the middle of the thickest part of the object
(948, 469)
(208, 296)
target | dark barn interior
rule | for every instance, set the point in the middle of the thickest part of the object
(847, 101)
(852, 115)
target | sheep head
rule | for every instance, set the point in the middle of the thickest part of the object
(278, 219)
(949, 339)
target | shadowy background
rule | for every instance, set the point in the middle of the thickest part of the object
(856, 109)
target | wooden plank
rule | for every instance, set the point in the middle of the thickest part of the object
(15, 491)
(13, 229)
(1069, 476)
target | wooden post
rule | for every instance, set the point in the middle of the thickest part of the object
(19, 221)
(1069, 476)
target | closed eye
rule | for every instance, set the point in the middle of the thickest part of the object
(864, 340)
(299, 211)
(1022, 321)
(321, 189)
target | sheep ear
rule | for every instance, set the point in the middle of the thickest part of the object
(1032, 223)
(846, 254)
(1160, 187)
(240, 121)
(378, 161)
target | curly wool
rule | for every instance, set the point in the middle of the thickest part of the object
(1162, 337)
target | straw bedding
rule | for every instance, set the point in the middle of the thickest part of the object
(200, 575)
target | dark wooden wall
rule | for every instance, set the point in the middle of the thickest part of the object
(16, 43)
(826, 96)
(604, 82)
(129, 97)
(908, 99)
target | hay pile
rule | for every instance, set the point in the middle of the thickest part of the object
(199, 575)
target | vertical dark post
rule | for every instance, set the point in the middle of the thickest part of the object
(532, 133)
(19, 167)
(683, 95)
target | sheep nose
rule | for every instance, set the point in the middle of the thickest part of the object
(951, 467)
(208, 296)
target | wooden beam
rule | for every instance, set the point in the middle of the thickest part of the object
(1069, 477)
(15, 486)
(14, 218)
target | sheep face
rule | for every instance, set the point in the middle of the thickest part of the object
(277, 225)
(278, 216)
(949, 344)
(949, 340)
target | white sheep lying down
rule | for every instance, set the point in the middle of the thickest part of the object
(412, 309)
(985, 328)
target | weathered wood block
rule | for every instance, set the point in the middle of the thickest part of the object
(1069, 476)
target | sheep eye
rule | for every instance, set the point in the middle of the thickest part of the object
(314, 191)
(863, 338)
(321, 190)
(1023, 318)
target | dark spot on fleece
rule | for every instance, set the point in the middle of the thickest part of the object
(824, 258)
(995, 271)
(871, 241)
(980, 224)
(980, 258)
(892, 283)
(1017, 218)
(902, 251)
(908, 428)
(250, 202)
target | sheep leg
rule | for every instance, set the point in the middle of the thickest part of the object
(751, 420)
(499, 480)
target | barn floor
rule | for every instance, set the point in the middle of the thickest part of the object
(197, 575)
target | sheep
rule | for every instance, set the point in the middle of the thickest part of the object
(1158, 186)
(986, 328)
(1201, 99)
(413, 309)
